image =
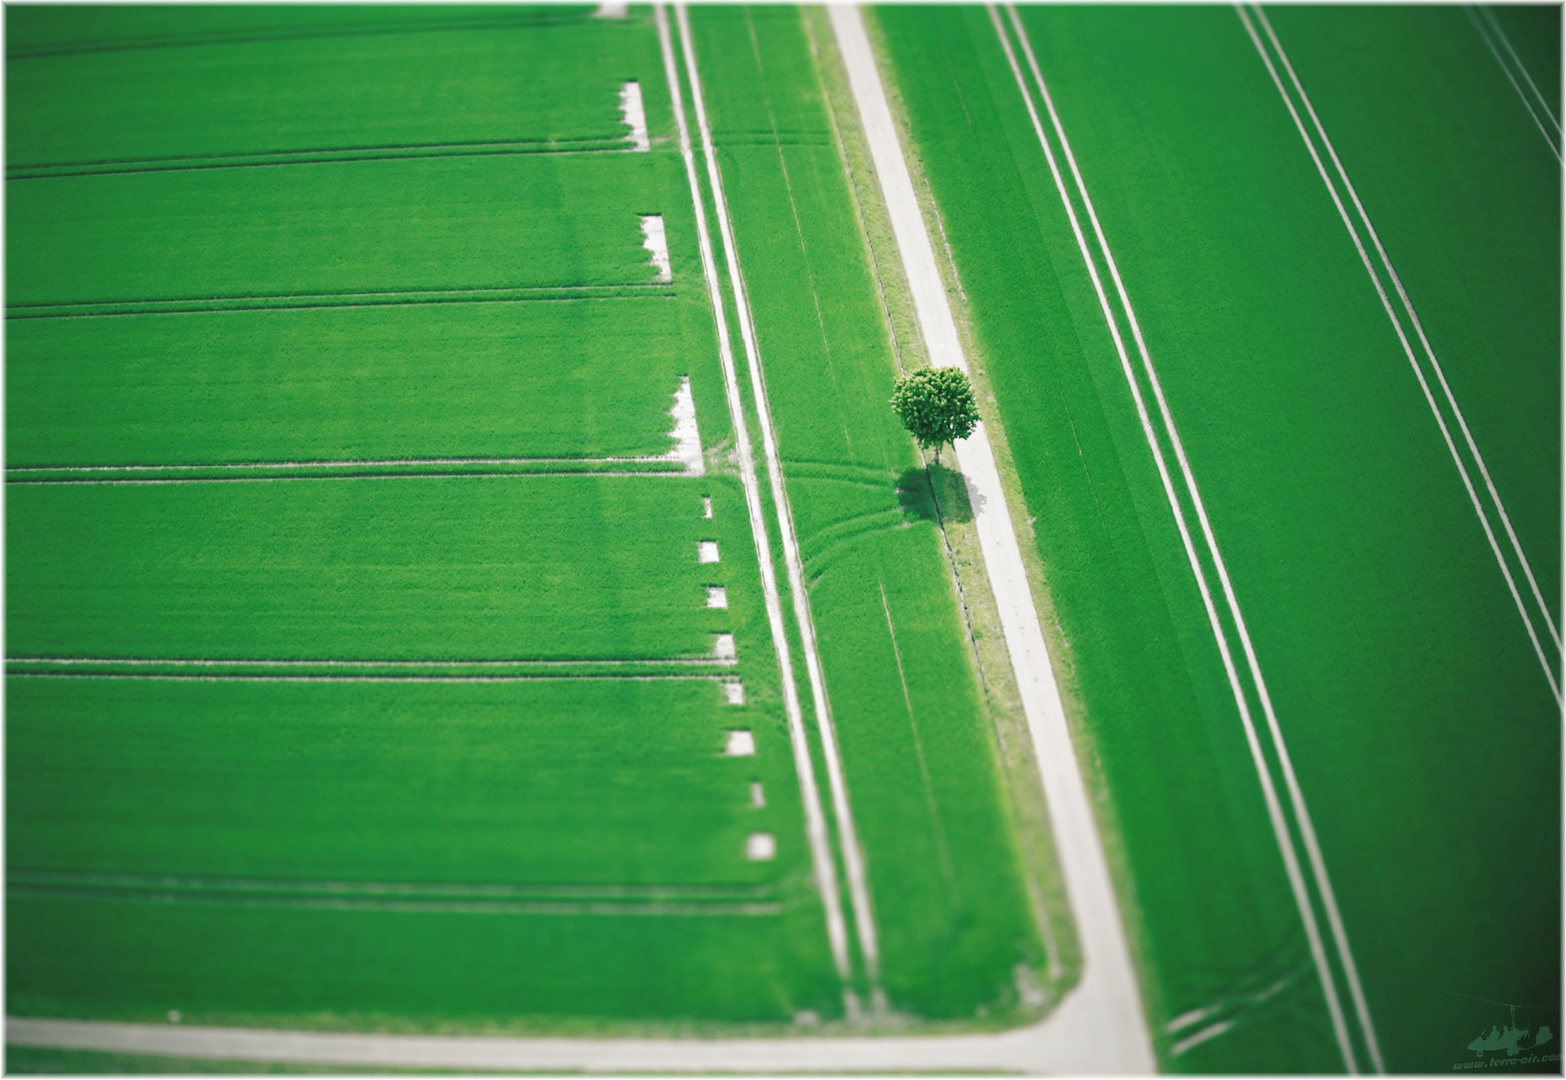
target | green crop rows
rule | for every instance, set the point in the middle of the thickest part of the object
(337, 695)
(361, 670)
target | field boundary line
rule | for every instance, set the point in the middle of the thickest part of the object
(204, 305)
(1408, 350)
(535, 22)
(1104, 1010)
(815, 814)
(1302, 818)
(144, 661)
(1484, 35)
(366, 149)
(332, 294)
(416, 897)
(435, 907)
(365, 470)
(347, 463)
(493, 474)
(853, 856)
(155, 676)
(294, 158)
(686, 452)
(444, 889)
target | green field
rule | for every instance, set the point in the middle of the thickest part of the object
(1422, 728)
(338, 696)
(361, 673)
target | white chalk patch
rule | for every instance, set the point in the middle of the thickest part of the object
(654, 240)
(706, 551)
(723, 647)
(758, 798)
(611, 11)
(734, 692)
(706, 506)
(717, 596)
(632, 113)
(687, 439)
(741, 743)
(760, 846)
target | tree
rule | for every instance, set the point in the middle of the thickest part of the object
(936, 406)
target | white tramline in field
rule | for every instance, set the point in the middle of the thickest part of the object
(853, 857)
(1408, 307)
(1296, 796)
(824, 868)
(1553, 141)
(1397, 325)
(1495, 24)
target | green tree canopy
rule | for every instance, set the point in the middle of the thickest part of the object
(936, 406)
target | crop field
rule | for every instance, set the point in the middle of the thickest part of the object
(464, 577)
(1416, 708)
(373, 660)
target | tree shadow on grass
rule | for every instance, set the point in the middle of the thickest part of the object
(935, 493)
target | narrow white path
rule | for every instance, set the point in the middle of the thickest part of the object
(1114, 1021)
(1071, 1041)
